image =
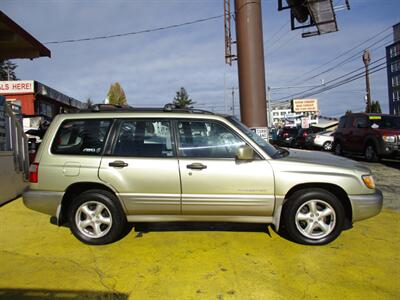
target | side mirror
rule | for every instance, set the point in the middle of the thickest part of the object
(245, 153)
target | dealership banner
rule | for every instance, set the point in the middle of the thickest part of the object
(305, 105)
(16, 87)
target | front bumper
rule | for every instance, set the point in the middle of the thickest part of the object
(43, 201)
(366, 206)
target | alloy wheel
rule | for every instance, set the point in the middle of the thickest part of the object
(93, 219)
(315, 219)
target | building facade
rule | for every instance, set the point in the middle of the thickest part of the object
(35, 98)
(393, 71)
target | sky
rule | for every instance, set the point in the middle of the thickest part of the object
(151, 67)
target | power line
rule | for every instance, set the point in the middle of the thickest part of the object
(278, 31)
(333, 80)
(342, 54)
(135, 32)
(345, 81)
(347, 60)
(284, 43)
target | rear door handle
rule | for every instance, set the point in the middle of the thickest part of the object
(196, 166)
(118, 164)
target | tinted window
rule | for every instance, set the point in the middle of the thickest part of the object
(144, 138)
(349, 121)
(360, 122)
(83, 137)
(384, 122)
(342, 121)
(207, 139)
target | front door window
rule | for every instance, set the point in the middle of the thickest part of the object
(207, 140)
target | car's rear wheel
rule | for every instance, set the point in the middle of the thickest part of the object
(327, 146)
(313, 217)
(370, 153)
(96, 218)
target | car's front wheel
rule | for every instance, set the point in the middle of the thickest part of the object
(96, 217)
(313, 217)
(370, 153)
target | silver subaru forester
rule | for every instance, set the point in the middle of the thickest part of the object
(99, 171)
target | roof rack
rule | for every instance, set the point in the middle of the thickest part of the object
(170, 107)
(176, 108)
(107, 107)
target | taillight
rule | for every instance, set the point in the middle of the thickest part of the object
(34, 173)
(305, 134)
(285, 134)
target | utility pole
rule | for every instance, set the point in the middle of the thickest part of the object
(8, 71)
(233, 101)
(367, 59)
(269, 111)
(250, 55)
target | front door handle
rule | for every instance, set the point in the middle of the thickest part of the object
(196, 166)
(118, 164)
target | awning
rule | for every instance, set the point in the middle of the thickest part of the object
(15, 42)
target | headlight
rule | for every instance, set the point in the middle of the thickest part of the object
(369, 181)
(389, 138)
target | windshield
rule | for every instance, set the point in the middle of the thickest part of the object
(384, 122)
(267, 147)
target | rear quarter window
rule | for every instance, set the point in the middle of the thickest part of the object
(81, 137)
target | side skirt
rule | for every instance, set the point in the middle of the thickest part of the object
(192, 218)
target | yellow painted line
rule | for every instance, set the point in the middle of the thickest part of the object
(40, 259)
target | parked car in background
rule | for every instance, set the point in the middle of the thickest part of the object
(373, 135)
(324, 140)
(300, 140)
(287, 136)
(97, 171)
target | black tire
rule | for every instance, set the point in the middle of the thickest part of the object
(338, 148)
(370, 153)
(103, 214)
(327, 146)
(315, 229)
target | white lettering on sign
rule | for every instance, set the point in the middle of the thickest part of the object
(261, 131)
(16, 87)
(305, 105)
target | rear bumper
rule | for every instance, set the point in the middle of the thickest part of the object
(366, 206)
(43, 201)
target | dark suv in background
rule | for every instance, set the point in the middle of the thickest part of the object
(374, 135)
(287, 136)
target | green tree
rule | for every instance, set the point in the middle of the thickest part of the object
(116, 94)
(182, 99)
(7, 70)
(376, 107)
(89, 103)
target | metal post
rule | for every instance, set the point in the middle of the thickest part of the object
(233, 101)
(367, 60)
(8, 72)
(250, 52)
(269, 111)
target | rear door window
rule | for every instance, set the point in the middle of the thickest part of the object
(144, 138)
(81, 137)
